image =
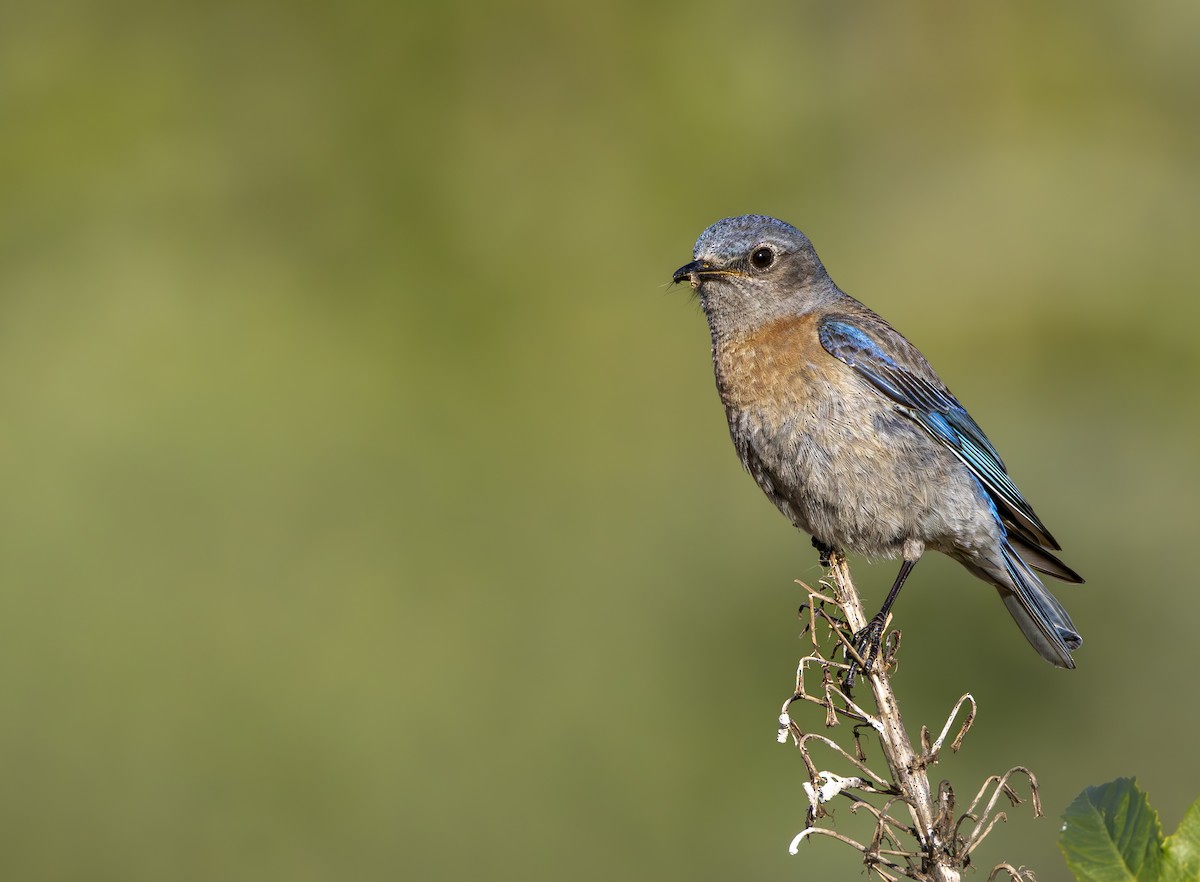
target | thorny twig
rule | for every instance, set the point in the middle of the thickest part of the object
(930, 845)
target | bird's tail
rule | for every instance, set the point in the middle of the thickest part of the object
(1036, 611)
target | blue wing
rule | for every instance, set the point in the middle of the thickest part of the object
(931, 406)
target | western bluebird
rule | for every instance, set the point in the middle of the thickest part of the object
(848, 430)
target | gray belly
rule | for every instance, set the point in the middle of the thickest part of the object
(868, 484)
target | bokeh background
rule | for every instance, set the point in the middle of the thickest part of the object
(367, 509)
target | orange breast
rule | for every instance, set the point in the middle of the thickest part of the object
(772, 367)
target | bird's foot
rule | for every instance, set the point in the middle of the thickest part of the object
(867, 644)
(825, 552)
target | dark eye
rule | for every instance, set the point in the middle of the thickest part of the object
(761, 258)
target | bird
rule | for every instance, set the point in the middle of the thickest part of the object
(850, 432)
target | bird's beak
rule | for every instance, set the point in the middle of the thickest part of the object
(693, 272)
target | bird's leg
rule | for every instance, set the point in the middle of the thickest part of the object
(867, 641)
(876, 623)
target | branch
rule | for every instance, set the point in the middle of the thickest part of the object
(939, 848)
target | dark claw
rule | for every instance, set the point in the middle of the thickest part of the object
(825, 551)
(867, 644)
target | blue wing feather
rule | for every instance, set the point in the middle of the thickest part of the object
(931, 406)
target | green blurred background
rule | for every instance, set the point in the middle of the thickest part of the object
(368, 511)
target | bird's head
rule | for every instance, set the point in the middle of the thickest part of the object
(750, 270)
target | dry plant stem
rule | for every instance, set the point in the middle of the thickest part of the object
(906, 764)
(1019, 874)
(943, 845)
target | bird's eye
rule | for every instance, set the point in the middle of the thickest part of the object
(762, 257)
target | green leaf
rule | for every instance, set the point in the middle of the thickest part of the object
(1181, 855)
(1111, 834)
